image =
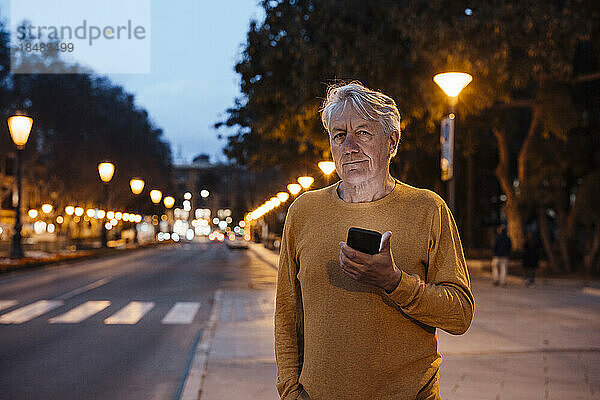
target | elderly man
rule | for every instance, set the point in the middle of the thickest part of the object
(350, 325)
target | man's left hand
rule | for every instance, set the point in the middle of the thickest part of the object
(377, 269)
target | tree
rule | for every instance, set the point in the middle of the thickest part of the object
(522, 58)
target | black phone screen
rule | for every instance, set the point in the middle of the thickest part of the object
(364, 240)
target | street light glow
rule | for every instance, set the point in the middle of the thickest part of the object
(47, 208)
(90, 212)
(306, 181)
(79, 211)
(327, 167)
(275, 201)
(69, 210)
(187, 196)
(283, 196)
(294, 188)
(155, 196)
(20, 127)
(169, 201)
(452, 83)
(137, 185)
(32, 213)
(106, 170)
(204, 193)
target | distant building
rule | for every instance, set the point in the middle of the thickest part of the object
(229, 186)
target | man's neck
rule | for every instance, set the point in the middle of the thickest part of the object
(366, 191)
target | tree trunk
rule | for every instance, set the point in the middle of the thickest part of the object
(511, 209)
(563, 241)
(524, 152)
(547, 240)
(591, 253)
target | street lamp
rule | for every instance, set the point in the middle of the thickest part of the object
(20, 128)
(327, 167)
(169, 202)
(452, 83)
(155, 196)
(137, 186)
(294, 188)
(306, 181)
(283, 196)
(106, 170)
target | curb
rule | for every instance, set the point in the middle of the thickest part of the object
(192, 389)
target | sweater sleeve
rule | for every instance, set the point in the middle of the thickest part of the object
(444, 300)
(288, 318)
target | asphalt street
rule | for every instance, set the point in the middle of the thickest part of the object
(118, 328)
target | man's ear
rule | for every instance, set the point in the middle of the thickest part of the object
(394, 139)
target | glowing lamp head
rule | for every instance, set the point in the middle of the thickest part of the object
(169, 201)
(283, 196)
(452, 83)
(137, 185)
(327, 167)
(20, 127)
(155, 196)
(294, 188)
(32, 213)
(47, 208)
(275, 201)
(69, 210)
(106, 170)
(306, 181)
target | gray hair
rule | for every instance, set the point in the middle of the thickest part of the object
(370, 105)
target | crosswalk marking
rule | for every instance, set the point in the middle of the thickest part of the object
(181, 313)
(130, 314)
(7, 303)
(29, 312)
(80, 312)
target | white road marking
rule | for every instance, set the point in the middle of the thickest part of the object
(591, 291)
(80, 312)
(181, 313)
(29, 312)
(130, 314)
(7, 303)
(85, 288)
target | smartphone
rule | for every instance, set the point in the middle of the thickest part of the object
(364, 240)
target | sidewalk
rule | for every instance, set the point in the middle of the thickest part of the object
(240, 361)
(539, 343)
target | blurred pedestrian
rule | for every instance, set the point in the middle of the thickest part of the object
(530, 258)
(353, 325)
(502, 248)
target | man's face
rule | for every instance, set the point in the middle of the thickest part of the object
(360, 148)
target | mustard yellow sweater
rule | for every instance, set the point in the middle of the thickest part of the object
(336, 338)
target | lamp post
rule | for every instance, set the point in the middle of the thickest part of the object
(106, 169)
(452, 83)
(137, 186)
(19, 127)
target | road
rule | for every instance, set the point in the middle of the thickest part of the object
(117, 328)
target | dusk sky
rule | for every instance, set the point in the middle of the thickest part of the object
(194, 47)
